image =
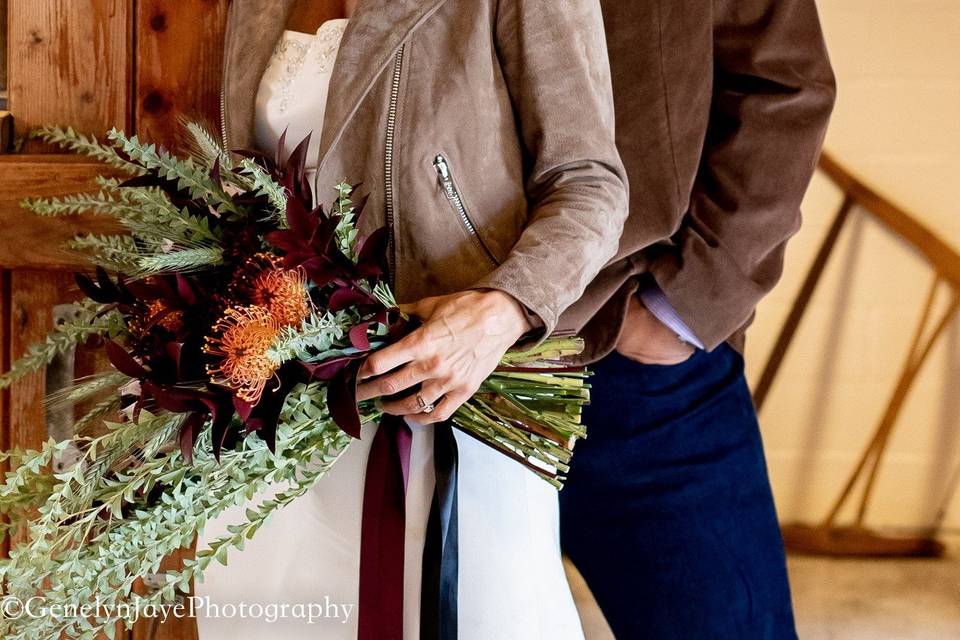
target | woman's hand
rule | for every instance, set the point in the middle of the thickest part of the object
(461, 342)
(649, 341)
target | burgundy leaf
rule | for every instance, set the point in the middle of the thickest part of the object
(186, 291)
(299, 220)
(344, 298)
(371, 258)
(215, 173)
(175, 351)
(325, 371)
(123, 361)
(359, 338)
(92, 291)
(342, 399)
(103, 279)
(359, 207)
(284, 240)
(146, 180)
(189, 433)
(281, 143)
(243, 408)
(323, 236)
(296, 168)
(177, 402)
(219, 431)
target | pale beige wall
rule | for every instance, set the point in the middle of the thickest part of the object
(897, 124)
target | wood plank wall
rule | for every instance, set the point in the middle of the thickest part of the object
(92, 65)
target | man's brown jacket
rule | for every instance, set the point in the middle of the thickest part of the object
(721, 108)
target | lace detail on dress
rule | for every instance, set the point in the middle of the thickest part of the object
(293, 49)
(327, 44)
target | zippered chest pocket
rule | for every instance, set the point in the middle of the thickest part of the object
(452, 192)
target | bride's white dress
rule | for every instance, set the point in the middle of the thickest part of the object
(511, 580)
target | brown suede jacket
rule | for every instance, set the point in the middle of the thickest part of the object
(482, 131)
(721, 107)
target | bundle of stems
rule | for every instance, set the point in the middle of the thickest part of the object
(530, 407)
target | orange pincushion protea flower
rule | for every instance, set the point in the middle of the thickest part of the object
(242, 341)
(283, 293)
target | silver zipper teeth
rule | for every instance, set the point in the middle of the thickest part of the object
(388, 159)
(223, 81)
(223, 116)
(453, 195)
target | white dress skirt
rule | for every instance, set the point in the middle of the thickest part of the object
(298, 579)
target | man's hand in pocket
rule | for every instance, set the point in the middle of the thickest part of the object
(649, 341)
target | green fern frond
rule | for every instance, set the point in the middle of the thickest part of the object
(85, 145)
(66, 336)
(264, 185)
(347, 233)
(116, 252)
(102, 203)
(112, 184)
(185, 172)
(155, 219)
(317, 334)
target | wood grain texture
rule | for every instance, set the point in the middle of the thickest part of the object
(5, 441)
(70, 62)
(179, 52)
(33, 241)
(33, 293)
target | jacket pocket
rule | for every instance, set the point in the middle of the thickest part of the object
(454, 197)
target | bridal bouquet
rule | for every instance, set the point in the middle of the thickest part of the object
(236, 314)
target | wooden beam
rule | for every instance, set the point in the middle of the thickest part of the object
(33, 241)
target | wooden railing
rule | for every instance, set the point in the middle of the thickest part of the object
(829, 537)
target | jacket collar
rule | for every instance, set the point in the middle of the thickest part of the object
(374, 36)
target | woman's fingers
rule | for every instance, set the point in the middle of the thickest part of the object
(392, 357)
(395, 382)
(431, 393)
(445, 408)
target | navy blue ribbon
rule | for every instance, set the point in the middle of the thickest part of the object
(438, 600)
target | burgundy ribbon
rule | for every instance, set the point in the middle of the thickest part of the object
(382, 532)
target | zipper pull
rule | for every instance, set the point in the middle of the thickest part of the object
(443, 170)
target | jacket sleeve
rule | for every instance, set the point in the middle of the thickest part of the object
(773, 94)
(555, 63)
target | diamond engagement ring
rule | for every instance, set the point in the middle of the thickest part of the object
(426, 407)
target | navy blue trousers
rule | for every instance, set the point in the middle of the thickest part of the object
(668, 512)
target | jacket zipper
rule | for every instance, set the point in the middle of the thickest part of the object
(388, 162)
(445, 176)
(223, 118)
(223, 81)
